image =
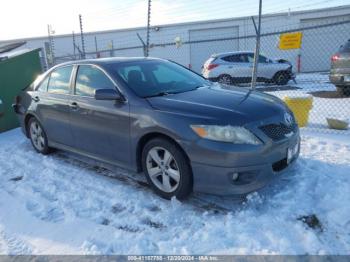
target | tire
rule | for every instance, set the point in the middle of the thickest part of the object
(168, 175)
(225, 79)
(281, 78)
(343, 91)
(38, 136)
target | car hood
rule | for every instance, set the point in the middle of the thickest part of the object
(235, 106)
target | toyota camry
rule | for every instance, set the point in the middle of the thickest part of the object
(157, 117)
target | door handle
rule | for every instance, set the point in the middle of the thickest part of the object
(74, 106)
(36, 99)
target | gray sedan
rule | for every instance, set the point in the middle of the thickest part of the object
(155, 116)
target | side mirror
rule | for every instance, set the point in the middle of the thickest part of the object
(107, 94)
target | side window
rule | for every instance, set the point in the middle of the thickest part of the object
(250, 58)
(233, 59)
(89, 79)
(43, 85)
(60, 80)
(262, 59)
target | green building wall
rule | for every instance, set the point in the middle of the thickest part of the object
(15, 74)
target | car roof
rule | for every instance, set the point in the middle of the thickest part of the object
(109, 60)
(232, 53)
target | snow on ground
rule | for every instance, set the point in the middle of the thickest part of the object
(308, 83)
(59, 205)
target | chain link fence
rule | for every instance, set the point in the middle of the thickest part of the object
(300, 76)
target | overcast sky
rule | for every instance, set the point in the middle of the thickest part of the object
(28, 18)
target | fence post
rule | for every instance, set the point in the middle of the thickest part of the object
(148, 27)
(299, 63)
(257, 49)
(97, 55)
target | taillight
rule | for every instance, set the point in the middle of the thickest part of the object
(212, 66)
(335, 57)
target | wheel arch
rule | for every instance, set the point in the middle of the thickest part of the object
(149, 136)
(224, 74)
(282, 71)
(26, 122)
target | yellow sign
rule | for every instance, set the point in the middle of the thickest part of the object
(290, 40)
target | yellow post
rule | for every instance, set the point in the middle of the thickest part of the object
(300, 106)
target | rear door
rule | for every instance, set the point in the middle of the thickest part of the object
(243, 68)
(52, 99)
(100, 127)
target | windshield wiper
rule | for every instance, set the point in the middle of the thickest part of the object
(159, 94)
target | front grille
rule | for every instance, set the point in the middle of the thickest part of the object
(277, 131)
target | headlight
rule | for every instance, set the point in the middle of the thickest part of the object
(231, 134)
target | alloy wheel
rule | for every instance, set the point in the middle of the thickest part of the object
(225, 80)
(163, 169)
(37, 136)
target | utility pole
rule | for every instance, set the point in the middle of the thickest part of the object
(82, 36)
(73, 37)
(51, 45)
(257, 48)
(148, 27)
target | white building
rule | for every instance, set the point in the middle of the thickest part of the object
(324, 30)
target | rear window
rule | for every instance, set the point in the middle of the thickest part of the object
(346, 47)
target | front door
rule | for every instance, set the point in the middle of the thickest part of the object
(100, 127)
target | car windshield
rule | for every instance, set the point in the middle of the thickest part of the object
(155, 78)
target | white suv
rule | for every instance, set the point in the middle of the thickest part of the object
(236, 67)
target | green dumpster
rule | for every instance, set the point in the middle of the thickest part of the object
(2, 108)
(16, 72)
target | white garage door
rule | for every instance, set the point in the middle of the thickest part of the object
(319, 44)
(200, 52)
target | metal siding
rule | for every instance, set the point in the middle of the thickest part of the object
(319, 44)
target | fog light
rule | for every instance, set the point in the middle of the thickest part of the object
(235, 176)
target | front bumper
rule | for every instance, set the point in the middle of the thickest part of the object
(255, 167)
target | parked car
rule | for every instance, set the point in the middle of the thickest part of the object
(155, 116)
(236, 67)
(340, 69)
